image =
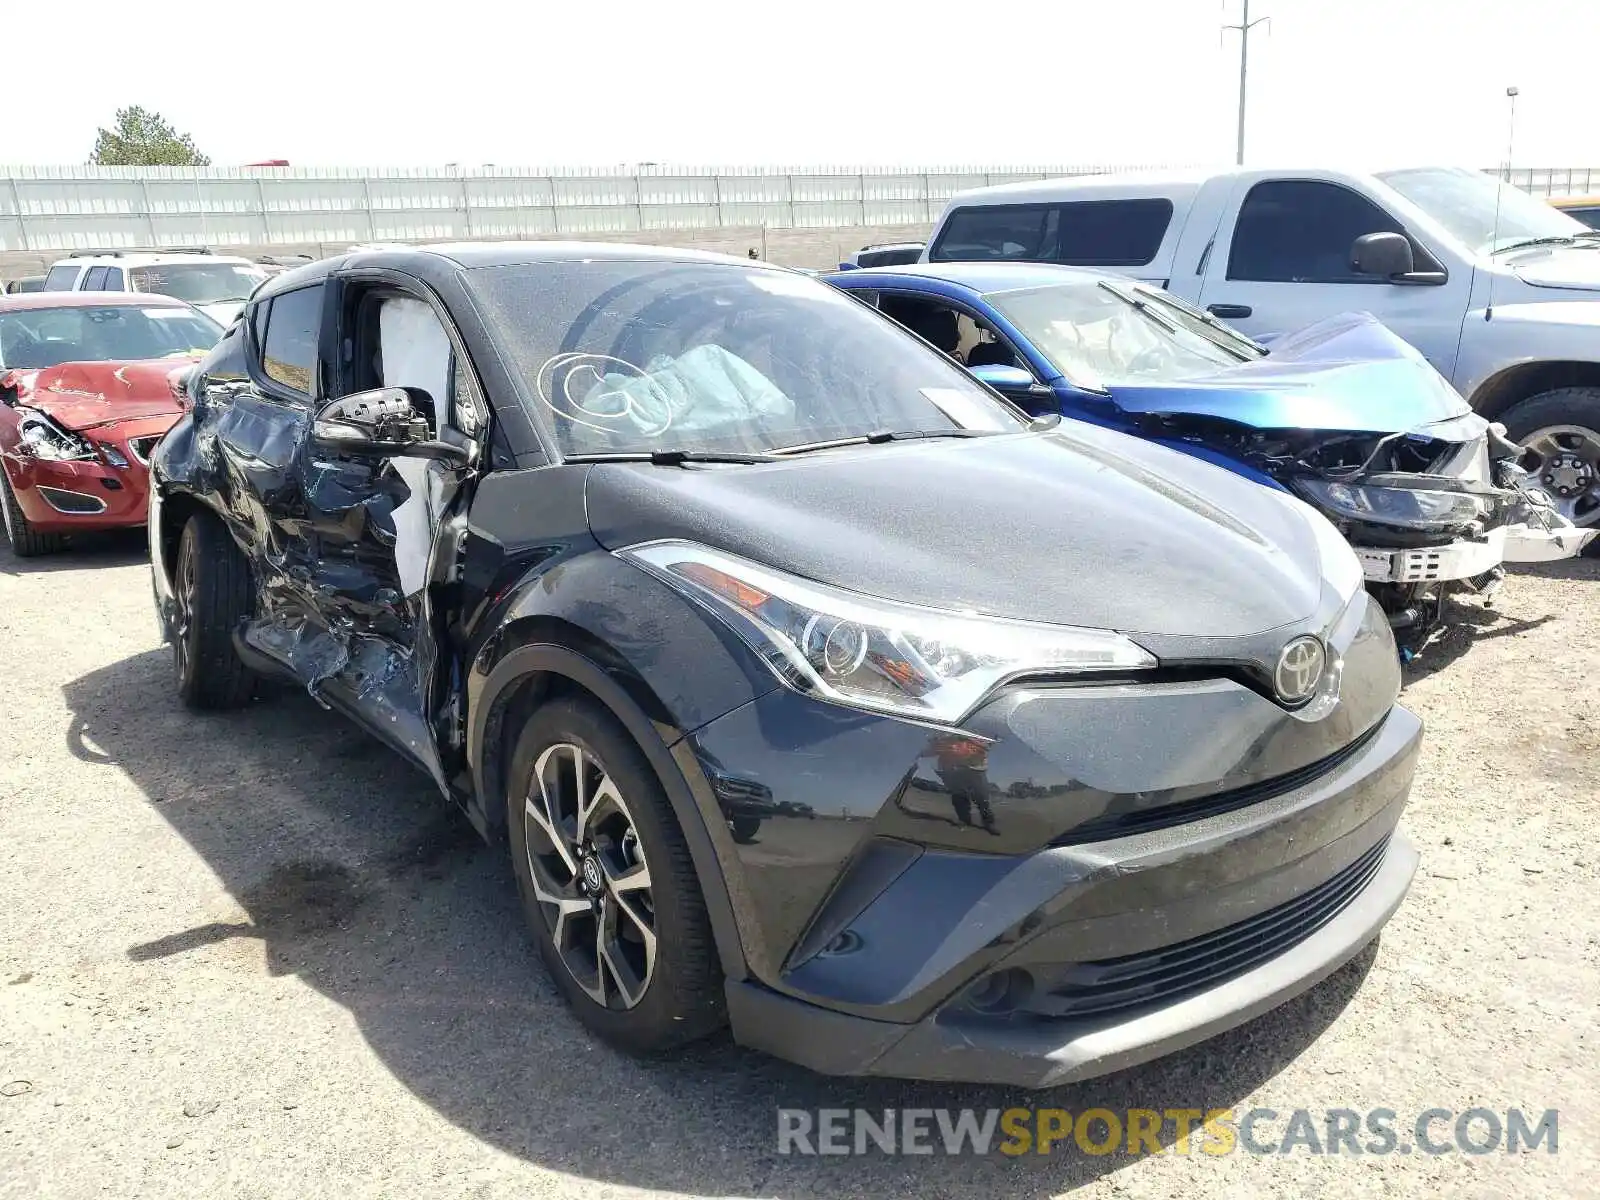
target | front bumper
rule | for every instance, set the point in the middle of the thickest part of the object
(1084, 956)
(78, 496)
(1467, 559)
(1044, 1053)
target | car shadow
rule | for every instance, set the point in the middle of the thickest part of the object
(85, 552)
(358, 879)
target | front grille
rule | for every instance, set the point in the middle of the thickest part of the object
(1113, 985)
(1162, 816)
(144, 447)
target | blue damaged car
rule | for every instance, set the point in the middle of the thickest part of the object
(1343, 414)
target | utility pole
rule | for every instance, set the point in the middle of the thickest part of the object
(1244, 27)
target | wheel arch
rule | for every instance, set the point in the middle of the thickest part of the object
(543, 657)
(1502, 391)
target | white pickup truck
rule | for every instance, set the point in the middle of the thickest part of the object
(1497, 289)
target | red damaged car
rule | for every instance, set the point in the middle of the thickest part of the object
(89, 383)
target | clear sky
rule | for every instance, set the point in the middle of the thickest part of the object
(810, 82)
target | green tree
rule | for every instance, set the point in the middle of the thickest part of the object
(145, 139)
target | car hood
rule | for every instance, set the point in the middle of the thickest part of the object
(91, 395)
(1079, 526)
(1348, 373)
(1559, 266)
(225, 313)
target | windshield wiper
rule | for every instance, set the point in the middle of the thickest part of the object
(1141, 305)
(670, 458)
(1563, 239)
(878, 437)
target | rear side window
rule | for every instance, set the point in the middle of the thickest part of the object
(1302, 231)
(289, 348)
(1112, 233)
(61, 279)
(113, 280)
(94, 280)
(995, 231)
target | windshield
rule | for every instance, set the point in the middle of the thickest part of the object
(1098, 332)
(198, 283)
(639, 357)
(47, 337)
(1462, 201)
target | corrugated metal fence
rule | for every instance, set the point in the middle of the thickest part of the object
(50, 208)
(64, 208)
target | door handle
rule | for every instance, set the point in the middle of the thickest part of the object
(1229, 312)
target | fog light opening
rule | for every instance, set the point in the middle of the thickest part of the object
(1001, 993)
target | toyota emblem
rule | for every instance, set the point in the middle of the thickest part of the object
(1299, 670)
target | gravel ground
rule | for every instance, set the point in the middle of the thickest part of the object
(251, 955)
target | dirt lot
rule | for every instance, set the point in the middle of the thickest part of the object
(252, 956)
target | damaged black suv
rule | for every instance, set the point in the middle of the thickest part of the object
(814, 689)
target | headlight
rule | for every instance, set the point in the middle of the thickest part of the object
(1408, 508)
(877, 654)
(43, 438)
(113, 456)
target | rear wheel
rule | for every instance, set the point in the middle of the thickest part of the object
(1561, 430)
(607, 883)
(212, 593)
(26, 542)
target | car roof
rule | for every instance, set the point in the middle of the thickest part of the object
(1575, 201)
(17, 301)
(981, 277)
(474, 255)
(148, 258)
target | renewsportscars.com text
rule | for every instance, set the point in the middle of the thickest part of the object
(1144, 1131)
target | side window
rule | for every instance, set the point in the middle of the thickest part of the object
(289, 350)
(61, 279)
(1301, 231)
(94, 280)
(113, 280)
(996, 231)
(1112, 233)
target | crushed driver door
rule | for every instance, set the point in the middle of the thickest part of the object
(379, 529)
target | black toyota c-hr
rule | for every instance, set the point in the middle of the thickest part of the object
(814, 690)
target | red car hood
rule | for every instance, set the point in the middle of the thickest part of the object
(90, 395)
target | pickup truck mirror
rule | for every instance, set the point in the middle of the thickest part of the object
(383, 423)
(1386, 255)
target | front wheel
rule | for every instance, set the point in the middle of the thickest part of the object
(212, 593)
(1561, 431)
(607, 884)
(26, 542)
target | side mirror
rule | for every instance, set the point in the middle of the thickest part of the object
(1003, 378)
(1386, 255)
(382, 423)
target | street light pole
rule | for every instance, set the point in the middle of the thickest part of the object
(1244, 27)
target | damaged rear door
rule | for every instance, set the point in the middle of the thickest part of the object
(355, 613)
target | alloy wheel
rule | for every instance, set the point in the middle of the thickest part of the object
(184, 598)
(590, 877)
(1569, 470)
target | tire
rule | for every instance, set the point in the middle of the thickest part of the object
(26, 542)
(214, 595)
(677, 997)
(1576, 407)
(744, 828)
